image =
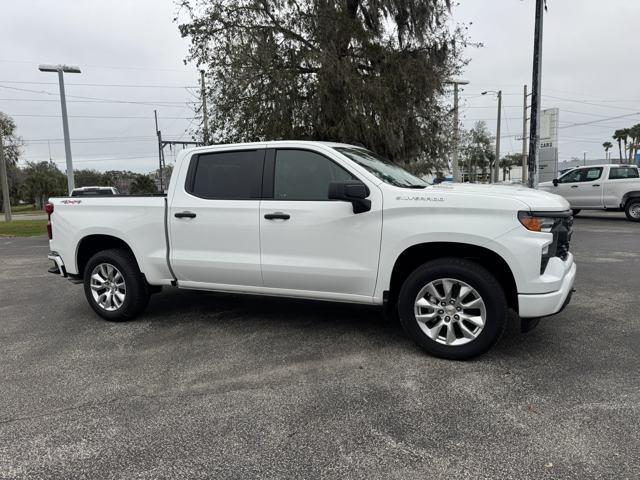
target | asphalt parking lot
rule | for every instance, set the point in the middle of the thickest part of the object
(226, 386)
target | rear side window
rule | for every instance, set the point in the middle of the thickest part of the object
(619, 173)
(592, 174)
(305, 175)
(226, 175)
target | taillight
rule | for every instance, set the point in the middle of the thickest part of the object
(49, 209)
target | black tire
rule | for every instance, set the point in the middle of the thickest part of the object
(632, 209)
(137, 292)
(474, 276)
(575, 211)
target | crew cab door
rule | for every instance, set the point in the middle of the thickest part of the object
(310, 243)
(213, 220)
(589, 193)
(581, 187)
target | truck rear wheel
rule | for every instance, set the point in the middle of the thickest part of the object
(114, 286)
(632, 210)
(453, 308)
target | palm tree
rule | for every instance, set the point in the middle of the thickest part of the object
(618, 136)
(634, 133)
(607, 146)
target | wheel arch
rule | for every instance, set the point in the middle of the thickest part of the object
(634, 194)
(415, 255)
(94, 243)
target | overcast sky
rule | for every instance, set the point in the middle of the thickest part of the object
(131, 51)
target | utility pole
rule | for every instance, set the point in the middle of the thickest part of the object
(524, 138)
(205, 117)
(497, 162)
(61, 70)
(6, 201)
(536, 89)
(455, 168)
(494, 173)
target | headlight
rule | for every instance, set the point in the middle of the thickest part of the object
(536, 223)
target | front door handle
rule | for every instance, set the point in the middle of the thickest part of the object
(277, 216)
(574, 186)
(185, 215)
(596, 184)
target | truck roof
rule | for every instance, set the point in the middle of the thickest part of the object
(616, 165)
(271, 143)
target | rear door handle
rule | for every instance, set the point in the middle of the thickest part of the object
(185, 215)
(596, 185)
(277, 216)
(574, 186)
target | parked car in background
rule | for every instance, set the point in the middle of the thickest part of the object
(325, 221)
(94, 191)
(600, 187)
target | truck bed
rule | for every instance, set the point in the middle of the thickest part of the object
(139, 220)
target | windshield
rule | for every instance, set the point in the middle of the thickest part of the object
(382, 168)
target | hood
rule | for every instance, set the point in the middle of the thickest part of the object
(534, 199)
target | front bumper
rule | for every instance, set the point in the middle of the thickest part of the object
(545, 304)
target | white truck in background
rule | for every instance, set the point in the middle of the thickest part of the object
(325, 221)
(600, 187)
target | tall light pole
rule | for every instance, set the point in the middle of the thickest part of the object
(62, 69)
(455, 169)
(495, 174)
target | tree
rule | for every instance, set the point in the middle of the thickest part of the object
(508, 162)
(478, 150)
(88, 178)
(618, 136)
(634, 133)
(371, 72)
(607, 146)
(143, 184)
(12, 144)
(41, 181)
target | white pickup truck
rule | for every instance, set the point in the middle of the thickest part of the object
(600, 187)
(325, 221)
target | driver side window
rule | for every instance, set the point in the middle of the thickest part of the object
(572, 177)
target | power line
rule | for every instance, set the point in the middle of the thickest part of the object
(599, 121)
(105, 100)
(96, 116)
(160, 103)
(115, 67)
(123, 85)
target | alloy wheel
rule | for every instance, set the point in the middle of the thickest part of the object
(108, 287)
(450, 311)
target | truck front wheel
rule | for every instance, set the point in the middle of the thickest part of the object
(114, 286)
(453, 308)
(632, 210)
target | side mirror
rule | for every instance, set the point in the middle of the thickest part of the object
(352, 191)
(555, 182)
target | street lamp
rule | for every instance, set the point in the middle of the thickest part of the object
(455, 170)
(61, 69)
(495, 174)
